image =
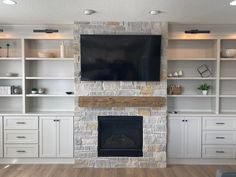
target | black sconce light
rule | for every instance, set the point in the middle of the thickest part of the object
(1, 30)
(196, 31)
(45, 31)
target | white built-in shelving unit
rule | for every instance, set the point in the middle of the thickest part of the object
(55, 74)
(187, 55)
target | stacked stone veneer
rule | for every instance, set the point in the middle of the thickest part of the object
(154, 122)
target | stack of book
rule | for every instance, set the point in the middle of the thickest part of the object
(5, 90)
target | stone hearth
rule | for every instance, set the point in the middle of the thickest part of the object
(154, 119)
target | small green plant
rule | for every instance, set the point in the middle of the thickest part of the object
(204, 87)
(34, 89)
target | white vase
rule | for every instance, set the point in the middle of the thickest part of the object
(62, 50)
(204, 92)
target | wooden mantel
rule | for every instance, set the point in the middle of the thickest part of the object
(121, 101)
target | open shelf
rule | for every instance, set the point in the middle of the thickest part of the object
(15, 49)
(189, 69)
(10, 104)
(190, 104)
(50, 104)
(48, 69)
(50, 46)
(200, 49)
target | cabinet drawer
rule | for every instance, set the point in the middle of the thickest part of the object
(219, 137)
(221, 123)
(26, 150)
(11, 136)
(18, 123)
(218, 151)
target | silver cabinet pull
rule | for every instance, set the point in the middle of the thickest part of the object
(220, 137)
(220, 123)
(20, 151)
(20, 123)
(21, 137)
(56, 120)
(220, 152)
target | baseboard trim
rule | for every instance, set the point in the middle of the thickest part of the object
(201, 161)
(37, 161)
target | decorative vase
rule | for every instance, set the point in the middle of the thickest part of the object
(204, 92)
(62, 50)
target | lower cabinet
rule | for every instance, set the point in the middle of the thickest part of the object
(56, 137)
(1, 137)
(21, 136)
(184, 137)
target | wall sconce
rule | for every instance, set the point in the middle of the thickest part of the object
(45, 31)
(196, 31)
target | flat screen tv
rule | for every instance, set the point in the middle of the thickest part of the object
(120, 57)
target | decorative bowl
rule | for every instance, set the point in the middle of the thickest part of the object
(228, 53)
(69, 93)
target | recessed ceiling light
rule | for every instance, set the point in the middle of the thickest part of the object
(233, 3)
(9, 2)
(89, 11)
(155, 12)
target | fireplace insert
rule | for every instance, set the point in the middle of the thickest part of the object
(120, 136)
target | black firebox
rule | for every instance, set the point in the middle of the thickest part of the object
(120, 136)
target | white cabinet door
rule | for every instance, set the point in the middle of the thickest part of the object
(48, 137)
(193, 137)
(1, 137)
(65, 143)
(176, 134)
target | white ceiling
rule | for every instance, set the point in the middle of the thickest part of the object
(68, 11)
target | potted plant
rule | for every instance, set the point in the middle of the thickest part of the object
(34, 90)
(204, 88)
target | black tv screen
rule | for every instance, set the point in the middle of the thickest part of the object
(120, 57)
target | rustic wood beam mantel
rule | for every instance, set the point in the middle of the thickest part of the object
(121, 101)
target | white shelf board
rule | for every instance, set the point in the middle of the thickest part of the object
(192, 59)
(50, 78)
(48, 95)
(191, 96)
(191, 78)
(180, 113)
(49, 59)
(10, 58)
(228, 59)
(6, 96)
(227, 78)
(53, 113)
(228, 96)
(10, 78)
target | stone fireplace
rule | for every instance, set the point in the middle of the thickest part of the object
(86, 122)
